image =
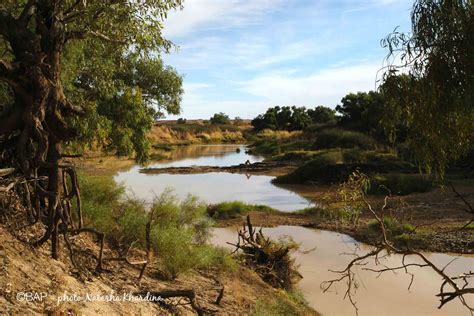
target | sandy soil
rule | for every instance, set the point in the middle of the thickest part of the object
(26, 270)
(437, 216)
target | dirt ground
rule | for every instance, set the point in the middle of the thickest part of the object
(437, 217)
(25, 270)
(438, 214)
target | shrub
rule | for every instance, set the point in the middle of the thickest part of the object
(338, 138)
(392, 226)
(179, 232)
(235, 209)
(325, 213)
(297, 144)
(219, 118)
(238, 121)
(335, 166)
(100, 197)
(400, 184)
(294, 155)
(320, 169)
(265, 147)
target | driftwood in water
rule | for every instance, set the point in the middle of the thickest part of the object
(270, 259)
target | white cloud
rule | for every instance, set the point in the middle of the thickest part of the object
(326, 87)
(214, 14)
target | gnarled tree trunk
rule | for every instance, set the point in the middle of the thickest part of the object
(36, 122)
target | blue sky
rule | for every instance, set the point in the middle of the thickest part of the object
(242, 56)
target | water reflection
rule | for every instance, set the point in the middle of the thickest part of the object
(385, 295)
(212, 187)
(208, 155)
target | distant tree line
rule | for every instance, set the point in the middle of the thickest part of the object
(360, 111)
(292, 118)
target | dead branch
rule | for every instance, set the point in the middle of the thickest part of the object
(450, 288)
(271, 260)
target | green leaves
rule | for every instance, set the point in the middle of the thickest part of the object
(124, 92)
(283, 118)
(435, 98)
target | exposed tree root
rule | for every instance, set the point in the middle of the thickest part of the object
(271, 260)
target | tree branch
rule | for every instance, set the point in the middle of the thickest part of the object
(27, 12)
(84, 34)
(455, 290)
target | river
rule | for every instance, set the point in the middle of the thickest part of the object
(387, 294)
(212, 187)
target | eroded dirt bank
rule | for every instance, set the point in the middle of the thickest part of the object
(26, 270)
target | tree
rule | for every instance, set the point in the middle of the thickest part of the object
(299, 119)
(116, 116)
(322, 114)
(238, 121)
(362, 111)
(267, 120)
(282, 118)
(41, 40)
(220, 118)
(436, 97)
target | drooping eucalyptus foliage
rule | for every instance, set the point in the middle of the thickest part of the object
(78, 72)
(430, 86)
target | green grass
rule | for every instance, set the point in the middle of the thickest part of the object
(320, 169)
(328, 214)
(402, 234)
(335, 165)
(340, 138)
(330, 155)
(182, 225)
(287, 303)
(400, 184)
(202, 128)
(234, 209)
(392, 226)
(265, 147)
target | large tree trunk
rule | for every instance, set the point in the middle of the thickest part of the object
(40, 104)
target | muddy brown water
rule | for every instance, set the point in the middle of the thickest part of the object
(386, 295)
(212, 187)
(322, 251)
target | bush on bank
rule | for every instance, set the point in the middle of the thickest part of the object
(400, 184)
(179, 233)
(340, 138)
(234, 209)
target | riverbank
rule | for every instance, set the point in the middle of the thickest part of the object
(430, 221)
(198, 132)
(435, 216)
(268, 168)
(243, 291)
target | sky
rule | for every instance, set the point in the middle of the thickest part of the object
(241, 57)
